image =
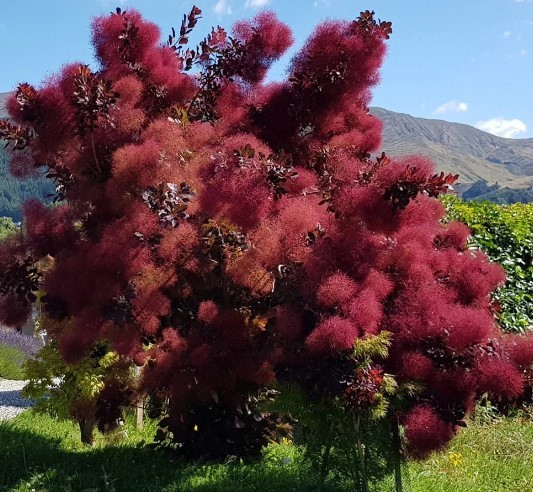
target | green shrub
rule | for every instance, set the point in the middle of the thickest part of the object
(505, 233)
(11, 360)
(79, 391)
(7, 227)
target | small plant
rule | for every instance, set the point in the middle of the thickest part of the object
(93, 391)
(485, 412)
(343, 416)
(456, 459)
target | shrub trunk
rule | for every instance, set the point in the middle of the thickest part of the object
(87, 431)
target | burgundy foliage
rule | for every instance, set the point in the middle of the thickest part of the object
(426, 431)
(217, 230)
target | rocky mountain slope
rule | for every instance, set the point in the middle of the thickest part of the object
(462, 149)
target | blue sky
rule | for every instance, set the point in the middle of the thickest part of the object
(469, 61)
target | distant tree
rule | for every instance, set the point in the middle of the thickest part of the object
(220, 231)
(7, 227)
(14, 191)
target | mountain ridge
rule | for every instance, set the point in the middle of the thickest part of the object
(487, 165)
(458, 148)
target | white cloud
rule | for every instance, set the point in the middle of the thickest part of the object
(507, 34)
(451, 107)
(523, 52)
(256, 3)
(223, 7)
(502, 127)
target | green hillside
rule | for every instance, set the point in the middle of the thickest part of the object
(14, 192)
(507, 196)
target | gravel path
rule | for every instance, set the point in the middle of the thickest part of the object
(11, 403)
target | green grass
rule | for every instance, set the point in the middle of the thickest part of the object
(11, 360)
(492, 458)
(39, 453)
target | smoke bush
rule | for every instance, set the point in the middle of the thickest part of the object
(220, 231)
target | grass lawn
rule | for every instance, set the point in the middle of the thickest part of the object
(495, 457)
(38, 453)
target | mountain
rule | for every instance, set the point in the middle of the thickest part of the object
(3, 98)
(505, 195)
(478, 157)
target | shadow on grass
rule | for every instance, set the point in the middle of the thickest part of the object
(36, 461)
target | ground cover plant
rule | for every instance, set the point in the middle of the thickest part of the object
(207, 220)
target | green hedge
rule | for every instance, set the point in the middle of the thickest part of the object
(505, 233)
